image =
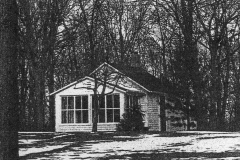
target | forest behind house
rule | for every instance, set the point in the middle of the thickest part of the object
(194, 44)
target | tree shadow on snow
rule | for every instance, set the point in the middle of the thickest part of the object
(171, 156)
(82, 142)
(201, 138)
(79, 140)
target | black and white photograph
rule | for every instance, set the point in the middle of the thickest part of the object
(120, 79)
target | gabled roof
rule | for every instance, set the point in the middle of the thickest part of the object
(118, 71)
(137, 75)
(80, 80)
(69, 85)
(141, 77)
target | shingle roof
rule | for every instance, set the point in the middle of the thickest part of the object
(145, 79)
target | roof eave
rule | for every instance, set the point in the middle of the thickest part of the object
(69, 85)
(82, 79)
(144, 88)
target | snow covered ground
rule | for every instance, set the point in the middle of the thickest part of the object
(197, 145)
(45, 142)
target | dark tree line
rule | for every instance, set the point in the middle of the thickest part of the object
(192, 43)
(8, 80)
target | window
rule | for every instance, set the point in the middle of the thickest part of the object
(67, 110)
(109, 110)
(81, 109)
(131, 101)
(75, 109)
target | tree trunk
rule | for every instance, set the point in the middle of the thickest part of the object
(50, 77)
(23, 93)
(95, 106)
(8, 81)
(222, 114)
(188, 118)
(51, 99)
(40, 99)
(236, 119)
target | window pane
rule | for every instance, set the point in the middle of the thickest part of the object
(64, 116)
(130, 101)
(70, 117)
(70, 102)
(78, 116)
(116, 101)
(102, 115)
(64, 102)
(127, 102)
(109, 115)
(85, 116)
(116, 115)
(78, 102)
(135, 100)
(85, 102)
(109, 101)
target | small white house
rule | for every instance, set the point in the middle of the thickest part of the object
(73, 103)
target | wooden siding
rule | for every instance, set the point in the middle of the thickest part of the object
(85, 127)
(153, 112)
(170, 123)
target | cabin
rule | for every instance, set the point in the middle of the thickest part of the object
(123, 87)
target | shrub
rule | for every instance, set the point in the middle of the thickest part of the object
(178, 124)
(132, 120)
(193, 124)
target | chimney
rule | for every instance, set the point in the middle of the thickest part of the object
(135, 60)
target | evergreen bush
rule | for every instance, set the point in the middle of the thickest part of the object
(132, 119)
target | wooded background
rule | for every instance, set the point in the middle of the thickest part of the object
(193, 43)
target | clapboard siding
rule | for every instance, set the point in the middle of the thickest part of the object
(86, 128)
(153, 112)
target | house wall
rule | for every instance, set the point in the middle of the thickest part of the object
(149, 103)
(144, 106)
(171, 123)
(170, 120)
(83, 127)
(152, 109)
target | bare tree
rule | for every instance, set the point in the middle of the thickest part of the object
(104, 77)
(185, 57)
(216, 19)
(39, 22)
(126, 24)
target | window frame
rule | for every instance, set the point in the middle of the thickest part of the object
(81, 110)
(66, 110)
(74, 109)
(106, 108)
(131, 100)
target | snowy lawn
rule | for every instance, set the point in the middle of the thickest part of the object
(180, 145)
(38, 142)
